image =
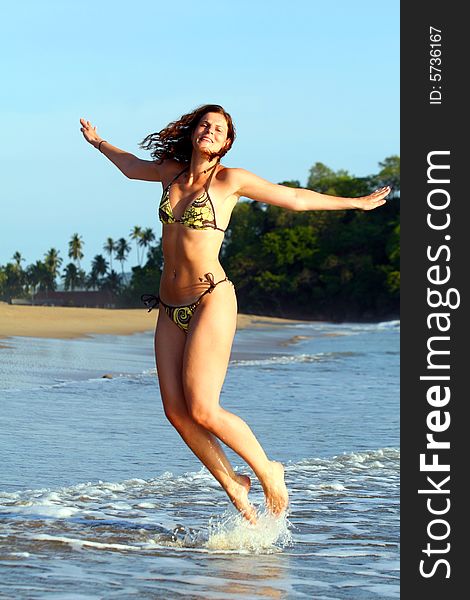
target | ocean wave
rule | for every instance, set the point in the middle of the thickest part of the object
(349, 328)
(121, 496)
(138, 514)
(287, 359)
(370, 459)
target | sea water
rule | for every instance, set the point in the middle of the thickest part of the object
(101, 498)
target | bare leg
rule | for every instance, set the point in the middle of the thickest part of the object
(205, 362)
(169, 348)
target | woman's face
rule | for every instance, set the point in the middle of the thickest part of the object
(210, 134)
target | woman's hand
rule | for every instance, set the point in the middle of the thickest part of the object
(89, 133)
(373, 200)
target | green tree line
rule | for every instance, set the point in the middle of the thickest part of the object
(43, 275)
(319, 264)
(316, 264)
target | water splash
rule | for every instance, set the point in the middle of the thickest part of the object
(232, 532)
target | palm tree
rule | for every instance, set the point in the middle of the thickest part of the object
(147, 236)
(109, 248)
(37, 276)
(16, 271)
(112, 282)
(52, 262)
(13, 280)
(99, 267)
(136, 234)
(92, 280)
(70, 276)
(18, 259)
(3, 281)
(75, 248)
(81, 278)
(122, 250)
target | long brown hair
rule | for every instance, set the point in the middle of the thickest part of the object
(174, 141)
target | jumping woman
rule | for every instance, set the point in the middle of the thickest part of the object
(195, 329)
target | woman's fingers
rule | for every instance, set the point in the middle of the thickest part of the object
(382, 192)
(88, 130)
(375, 199)
(86, 124)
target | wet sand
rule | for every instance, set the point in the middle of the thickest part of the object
(68, 322)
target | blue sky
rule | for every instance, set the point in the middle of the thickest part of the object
(305, 81)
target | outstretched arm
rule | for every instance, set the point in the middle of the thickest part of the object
(129, 164)
(254, 187)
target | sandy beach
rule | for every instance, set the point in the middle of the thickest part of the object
(67, 322)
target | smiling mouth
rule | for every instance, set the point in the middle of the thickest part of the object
(206, 139)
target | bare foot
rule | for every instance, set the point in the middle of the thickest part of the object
(275, 489)
(238, 494)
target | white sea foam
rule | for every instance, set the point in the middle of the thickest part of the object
(44, 510)
(233, 532)
(348, 328)
(146, 505)
(137, 491)
(78, 543)
(337, 487)
(373, 459)
(292, 359)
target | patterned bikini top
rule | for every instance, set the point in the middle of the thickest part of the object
(200, 214)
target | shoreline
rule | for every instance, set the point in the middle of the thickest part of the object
(72, 322)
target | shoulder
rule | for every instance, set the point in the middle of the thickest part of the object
(231, 173)
(246, 183)
(233, 177)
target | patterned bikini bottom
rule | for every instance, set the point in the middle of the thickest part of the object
(182, 315)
